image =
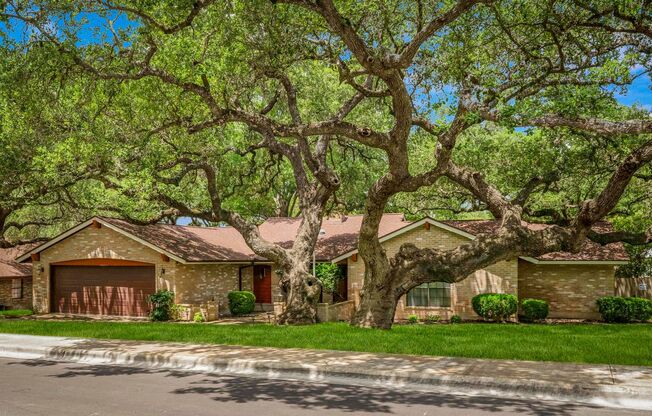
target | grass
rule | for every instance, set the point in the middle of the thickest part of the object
(16, 312)
(581, 343)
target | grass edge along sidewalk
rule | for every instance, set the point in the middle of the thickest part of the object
(618, 344)
(597, 384)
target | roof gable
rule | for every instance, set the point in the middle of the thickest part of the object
(591, 252)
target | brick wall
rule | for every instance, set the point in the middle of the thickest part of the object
(193, 285)
(96, 243)
(571, 290)
(6, 299)
(498, 278)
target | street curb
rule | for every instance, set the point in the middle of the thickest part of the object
(602, 395)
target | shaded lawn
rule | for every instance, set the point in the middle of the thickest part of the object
(16, 312)
(581, 343)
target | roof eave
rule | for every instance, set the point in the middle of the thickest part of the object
(570, 262)
(87, 223)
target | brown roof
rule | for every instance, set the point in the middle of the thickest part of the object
(9, 268)
(214, 244)
(590, 251)
(217, 244)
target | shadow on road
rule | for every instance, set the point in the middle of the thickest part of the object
(316, 395)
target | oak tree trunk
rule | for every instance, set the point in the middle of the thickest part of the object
(376, 309)
(302, 294)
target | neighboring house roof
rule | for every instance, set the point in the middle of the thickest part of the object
(189, 244)
(9, 267)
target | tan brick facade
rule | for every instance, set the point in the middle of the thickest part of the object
(6, 299)
(498, 278)
(571, 290)
(193, 284)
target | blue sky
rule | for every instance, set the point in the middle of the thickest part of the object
(638, 93)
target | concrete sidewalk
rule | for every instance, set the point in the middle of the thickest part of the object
(606, 385)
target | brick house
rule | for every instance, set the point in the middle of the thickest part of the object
(108, 266)
(15, 279)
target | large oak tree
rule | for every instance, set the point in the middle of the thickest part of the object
(411, 75)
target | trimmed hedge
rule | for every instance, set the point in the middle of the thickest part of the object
(241, 302)
(495, 307)
(534, 310)
(620, 309)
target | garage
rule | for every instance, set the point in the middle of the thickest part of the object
(108, 289)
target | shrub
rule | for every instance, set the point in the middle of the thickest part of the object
(199, 317)
(413, 319)
(620, 309)
(162, 302)
(328, 274)
(640, 309)
(495, 307)
(177, 312)
(432, 318)
(534, 310)
(456, 319)
(241, 302)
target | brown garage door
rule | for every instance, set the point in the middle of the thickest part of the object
(102, 290)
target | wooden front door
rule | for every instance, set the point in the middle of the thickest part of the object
(263, 284)
(102, 290)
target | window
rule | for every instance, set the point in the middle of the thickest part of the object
(437, 294)
(16, 288)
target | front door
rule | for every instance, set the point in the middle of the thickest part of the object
(263, 284)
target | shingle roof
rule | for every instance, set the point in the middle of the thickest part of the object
(225, 244)
(9, 268)
(590, 251)
(214, 244)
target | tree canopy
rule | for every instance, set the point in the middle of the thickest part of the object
(230, 111)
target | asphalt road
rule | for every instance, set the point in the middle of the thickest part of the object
(47, 388)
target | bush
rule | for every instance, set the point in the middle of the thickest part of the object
(620, 309)
(177, 312)
(640, 309)
(534, 310)
(412, 319)
(432, 318)
(456, 319)
(199, 317)
(495, 307)
(162, 305)
(241, 302)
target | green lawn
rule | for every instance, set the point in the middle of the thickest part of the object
(596, 343)
(16, 312)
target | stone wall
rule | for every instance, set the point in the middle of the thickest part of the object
(6, 299)
(498, 278)
(342, 311)
(571, 290)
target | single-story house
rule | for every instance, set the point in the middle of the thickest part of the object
(109, 266)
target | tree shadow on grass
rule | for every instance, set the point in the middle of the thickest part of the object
(320, 396)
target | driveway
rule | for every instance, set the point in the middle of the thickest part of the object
(34, 387)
